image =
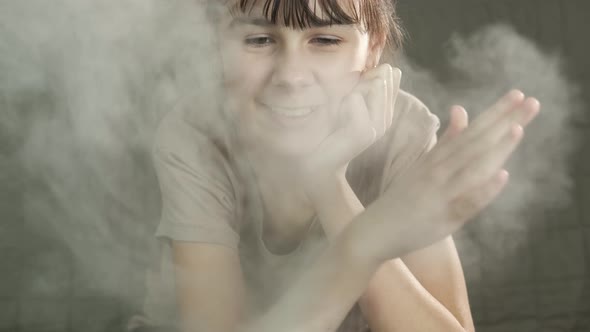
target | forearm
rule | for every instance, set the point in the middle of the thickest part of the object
(380, 303)
(320, 299)
(418, 311)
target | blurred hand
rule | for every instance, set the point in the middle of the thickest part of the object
(458, 178)
(365, 115)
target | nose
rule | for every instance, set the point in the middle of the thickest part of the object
(292, 70)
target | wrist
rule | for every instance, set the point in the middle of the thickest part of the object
(336, 205)
(369, 229)
(357, 252)
(325, 189)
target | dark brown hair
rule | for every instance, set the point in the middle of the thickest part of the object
(377, 16)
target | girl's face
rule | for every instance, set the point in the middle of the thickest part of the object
(285, 85)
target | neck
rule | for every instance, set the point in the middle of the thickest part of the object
(277, 177)
(273, 169)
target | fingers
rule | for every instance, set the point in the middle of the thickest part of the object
(473, 159)
(489, 120)
(504, 105)
(487, 129)
(532, 110)
(458, 122)
(487, 164)
(491, 125)
(471, 147)
(395, 79)
(376, 105)
(359, 129)
(380, 87)
(392, 77)
(354, 134)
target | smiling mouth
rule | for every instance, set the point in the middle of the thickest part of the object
(290, 112)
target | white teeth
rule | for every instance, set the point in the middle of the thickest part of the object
(292, 112)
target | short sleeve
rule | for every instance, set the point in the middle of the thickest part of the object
(198, 200)
(412, 134)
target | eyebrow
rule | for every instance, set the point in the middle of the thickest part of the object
(265, 23)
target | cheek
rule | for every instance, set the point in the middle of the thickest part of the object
(244, 77)
(349, 60)
(360, 53)
(341, 74)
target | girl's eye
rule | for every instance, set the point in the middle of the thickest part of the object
(326, 41)
(259, 41)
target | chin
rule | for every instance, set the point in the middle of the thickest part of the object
(284, 137)
(291, 146)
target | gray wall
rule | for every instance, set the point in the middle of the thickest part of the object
(547, 284)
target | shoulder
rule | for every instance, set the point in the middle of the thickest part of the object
(412, 133)
(179, 146)
(413, 128)
(197, 184)
(175, 134)
(410, 113)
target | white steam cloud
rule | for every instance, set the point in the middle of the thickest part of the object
(83, 84)
(482, 67)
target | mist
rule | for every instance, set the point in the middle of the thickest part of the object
(480, 68)
(83, 85)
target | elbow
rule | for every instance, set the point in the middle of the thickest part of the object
(464, 318)
(462, 328)
(467, 326)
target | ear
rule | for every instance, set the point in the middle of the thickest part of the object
(376, 46)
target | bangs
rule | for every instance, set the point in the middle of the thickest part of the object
(301, 14)
(376, 17)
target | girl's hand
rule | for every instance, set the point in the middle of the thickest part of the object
(459, 177)
(365, 115)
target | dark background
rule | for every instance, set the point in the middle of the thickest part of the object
(547, 287)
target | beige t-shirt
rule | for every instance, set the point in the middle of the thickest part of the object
(206, 199)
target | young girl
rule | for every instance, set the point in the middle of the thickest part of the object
(322, 203)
